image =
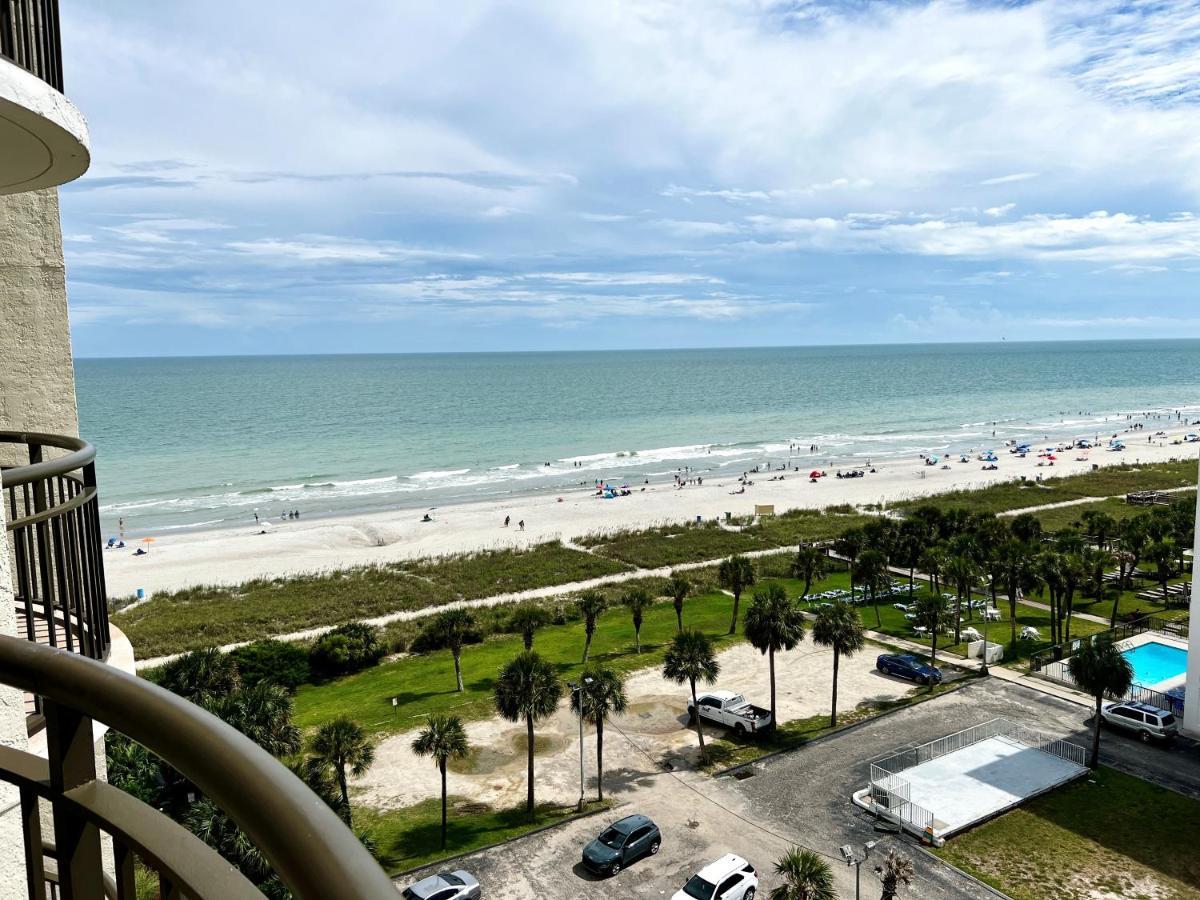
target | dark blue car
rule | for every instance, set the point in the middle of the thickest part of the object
(905, 665)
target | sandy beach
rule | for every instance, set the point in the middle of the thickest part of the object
(234, 555)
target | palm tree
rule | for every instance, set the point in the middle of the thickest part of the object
(933, 563)
(528, 689)
(678, 587)
(735, 575)
(342, 745)
(262, 713)
(591, 604)
(773, 623)
(838, 626)
(601, 693)
(690, 658)
(1014, 562)
(443, 739)
(930, 612)
(526, 619)
(849, 544)
(1049, 568)
(870, 570)
(450, 630)
(1073, 572)
(964, 574)
(1099, 668)
(810, 565)
(895, 871)
(637, 600)
(1162, 554)
(804, 875)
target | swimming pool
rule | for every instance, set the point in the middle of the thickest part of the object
(1154, 662)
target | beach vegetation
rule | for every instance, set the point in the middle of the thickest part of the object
(678, 587)
(451, 630)
(590, 605)
(272, 662)
(773, 623)
(736, 574)
(803, 875)
(343, 747)
(636, 600)
(526, 619)
(347, 648)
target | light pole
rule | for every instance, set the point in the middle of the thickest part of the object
(578, 689)
(983, 668)
(852, 860)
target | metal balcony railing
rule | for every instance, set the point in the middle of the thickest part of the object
(53, 523)
(29, 37)
(307, 845)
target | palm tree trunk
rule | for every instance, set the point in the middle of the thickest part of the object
(587, 644)
(958, 617)
(529, 770)
(345, 789)
(442, 766)
(528, 636)
(737, 597)
(1012, 617)
(699, 726)
(771, 665)
(637, 637)
(807, 586)
(600, 757)
(458, 669)
(1095, 761)
(833, 715)
(679, 617)
(933, 633)
(911, 571)
(875, 603)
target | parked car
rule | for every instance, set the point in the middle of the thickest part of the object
(905, 665)
(731, 710)
(621, 843)
(1142, 719)
(458, 885)
(729, 878)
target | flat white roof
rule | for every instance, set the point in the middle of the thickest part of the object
(982, 780)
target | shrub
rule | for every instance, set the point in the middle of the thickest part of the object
(272, 662)
(347, 648)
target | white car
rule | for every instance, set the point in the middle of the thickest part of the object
(731, 710)
(729, 878)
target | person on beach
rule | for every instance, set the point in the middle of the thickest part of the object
(521, 525)
(507, 519)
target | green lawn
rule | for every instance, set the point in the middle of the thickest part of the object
(424, 683)
(1065, 516)
(411, 836)
(1110, 835)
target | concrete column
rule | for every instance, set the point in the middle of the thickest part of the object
(1191, 704)
(12, 734)
(37, 375)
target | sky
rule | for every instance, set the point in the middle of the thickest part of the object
(386, 176)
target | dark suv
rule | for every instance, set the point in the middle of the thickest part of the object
(905, 665)
(1142, 719)
(621, 843)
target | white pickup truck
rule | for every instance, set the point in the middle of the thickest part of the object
(731, 710)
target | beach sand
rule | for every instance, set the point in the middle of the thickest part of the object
(235, 555)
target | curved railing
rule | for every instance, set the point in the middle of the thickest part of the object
(29, 37)
(53, 522)
(307, 845)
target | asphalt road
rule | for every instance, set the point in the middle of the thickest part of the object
(801, 797)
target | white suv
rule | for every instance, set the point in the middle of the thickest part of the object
(1142, 719)
(729, 878)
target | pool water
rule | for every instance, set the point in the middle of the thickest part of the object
(1154, 662)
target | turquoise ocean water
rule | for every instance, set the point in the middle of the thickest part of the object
(204, 442)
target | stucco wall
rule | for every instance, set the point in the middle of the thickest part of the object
(37, 377)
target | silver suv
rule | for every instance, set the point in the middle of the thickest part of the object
(1142, 719)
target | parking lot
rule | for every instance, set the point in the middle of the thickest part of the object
(804, 797)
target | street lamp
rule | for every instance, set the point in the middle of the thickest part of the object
(852, 860)
(578, 688)
(983, 668)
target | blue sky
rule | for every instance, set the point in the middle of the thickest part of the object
(631, 173)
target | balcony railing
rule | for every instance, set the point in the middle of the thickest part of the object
(29, 37)
(307, 845)
(53, 522)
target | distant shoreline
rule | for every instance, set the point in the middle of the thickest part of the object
(238, 554)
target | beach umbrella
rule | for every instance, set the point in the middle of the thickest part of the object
(147, 541)
(1052, 457)
(814, 474)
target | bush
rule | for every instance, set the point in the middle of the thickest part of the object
(347, 648)
(272, 662)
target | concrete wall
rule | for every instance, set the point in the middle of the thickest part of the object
(37, 376)
(12, 734)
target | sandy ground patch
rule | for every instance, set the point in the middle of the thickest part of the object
(653, 732)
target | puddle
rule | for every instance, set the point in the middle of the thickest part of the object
(654, 715)
(486, 759)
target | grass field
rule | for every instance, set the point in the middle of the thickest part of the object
(1110, 835)
(410, 837)
(1065, 516)
(424, 683)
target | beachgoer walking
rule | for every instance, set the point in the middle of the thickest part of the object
(507, 519)
(521, 525)
(256, 517)
(121, 528)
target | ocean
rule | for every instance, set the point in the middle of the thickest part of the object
(189, 443)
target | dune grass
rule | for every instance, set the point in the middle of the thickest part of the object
(671, 545)
(1109, 835)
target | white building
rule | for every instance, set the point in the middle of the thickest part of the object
(1191, 706)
